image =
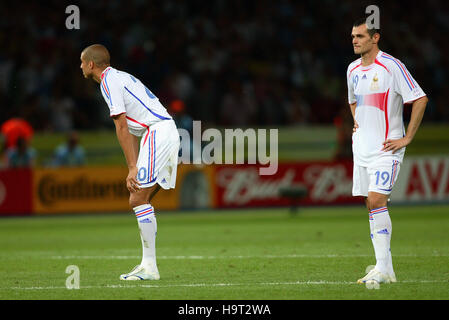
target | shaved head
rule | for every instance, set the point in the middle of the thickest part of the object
(94, 59)
(98, 54)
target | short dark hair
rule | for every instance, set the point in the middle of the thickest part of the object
(371, 31)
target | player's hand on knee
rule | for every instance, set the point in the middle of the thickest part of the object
(131, 180)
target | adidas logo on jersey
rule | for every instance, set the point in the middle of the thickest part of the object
(364, 77)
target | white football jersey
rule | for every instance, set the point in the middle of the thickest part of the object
(125, 93)
(380, 90)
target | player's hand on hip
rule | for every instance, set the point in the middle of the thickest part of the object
(395, 145)
(131, 180)
(356, 126)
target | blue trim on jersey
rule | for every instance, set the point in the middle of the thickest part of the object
(104, 79)
(155, 114)
(104, 91)
(405, 77)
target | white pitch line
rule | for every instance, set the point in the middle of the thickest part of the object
(294, 256)
(321, 282)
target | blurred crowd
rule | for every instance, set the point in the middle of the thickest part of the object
(16, 150)
(232, 63)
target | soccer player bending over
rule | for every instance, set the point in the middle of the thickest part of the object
(153, 161)
(378, 87)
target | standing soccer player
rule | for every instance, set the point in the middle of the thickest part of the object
(152, 163)
(378, 87)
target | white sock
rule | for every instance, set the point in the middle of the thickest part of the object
(148, 230)
(381, 229)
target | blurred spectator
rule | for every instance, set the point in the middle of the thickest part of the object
(2, 151)
(62, 108)
(21, 155)
(178, 110)
(344, 123)
(238, 107)
(70, 153)
(184, 121)
(15, 128)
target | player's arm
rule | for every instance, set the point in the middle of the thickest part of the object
(351, 98)
(130, 147)
(418, 108)
(356, 125)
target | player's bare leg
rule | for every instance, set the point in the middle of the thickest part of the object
(381, 229)
(153, 193)
(144, 211)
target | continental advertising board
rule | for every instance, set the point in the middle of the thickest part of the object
(103, 189)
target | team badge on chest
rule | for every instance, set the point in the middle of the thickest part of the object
(375, 83)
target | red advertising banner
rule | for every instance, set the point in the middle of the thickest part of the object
(325, 182)
(15, 192)
(422, 179)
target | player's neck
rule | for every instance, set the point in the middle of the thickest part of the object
(368, 58)
(97, 74)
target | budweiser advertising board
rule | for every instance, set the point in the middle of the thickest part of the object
(421, 180)
(326, 183)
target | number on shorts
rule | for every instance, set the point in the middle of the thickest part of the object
(384, 176)
(142, 175)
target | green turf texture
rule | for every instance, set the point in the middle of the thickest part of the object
(317, 253)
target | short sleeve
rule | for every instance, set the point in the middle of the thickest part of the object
(351, 95)
(405, 85)
(112, 91)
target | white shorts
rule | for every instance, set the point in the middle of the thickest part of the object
(378, 178)
(158, 155)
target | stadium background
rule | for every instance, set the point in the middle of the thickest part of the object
(229, 64)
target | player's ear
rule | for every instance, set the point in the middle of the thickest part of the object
(376, 38)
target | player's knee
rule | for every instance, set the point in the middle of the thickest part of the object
(135, 200)
(376, 202)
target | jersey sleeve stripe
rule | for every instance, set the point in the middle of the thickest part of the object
(104, 91)
(107, 87)
(117, 114)
(403, 71)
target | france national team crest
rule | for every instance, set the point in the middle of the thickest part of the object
(375, 83)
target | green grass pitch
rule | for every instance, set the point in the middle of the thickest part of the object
(317, 253)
